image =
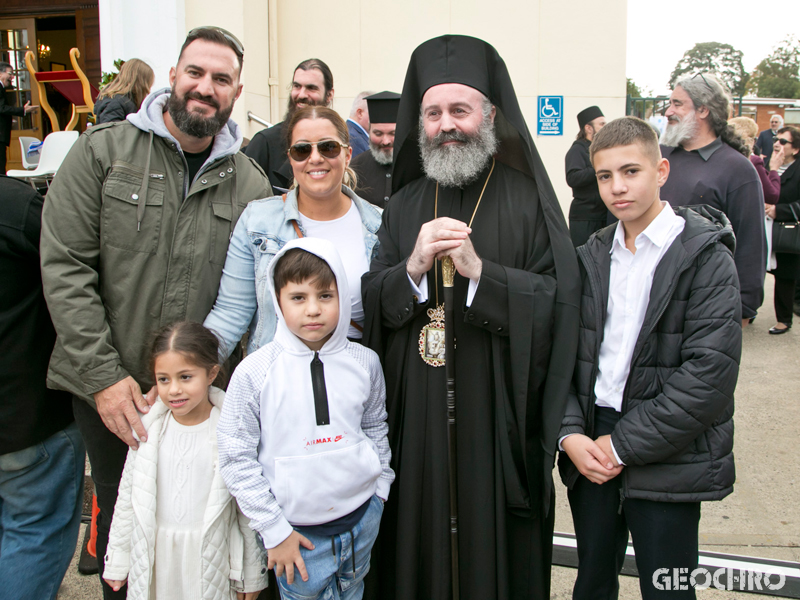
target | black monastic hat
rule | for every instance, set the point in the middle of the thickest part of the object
(383, 107)
(587, 115)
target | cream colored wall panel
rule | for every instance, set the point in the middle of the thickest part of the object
(588, 62)
(390, 32)
(255, 38)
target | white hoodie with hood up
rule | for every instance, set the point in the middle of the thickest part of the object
(283, 468)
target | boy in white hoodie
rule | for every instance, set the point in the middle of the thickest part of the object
(303, 437)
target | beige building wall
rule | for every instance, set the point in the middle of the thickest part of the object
(367, 44)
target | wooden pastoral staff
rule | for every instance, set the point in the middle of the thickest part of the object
(73, 85)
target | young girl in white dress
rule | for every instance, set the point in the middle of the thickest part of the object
(177, 533)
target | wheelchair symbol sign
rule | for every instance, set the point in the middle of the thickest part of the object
(550, 117)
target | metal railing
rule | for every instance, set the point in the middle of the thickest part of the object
(254, 117)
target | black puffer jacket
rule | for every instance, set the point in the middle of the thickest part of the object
(116, 108)
(676, 432)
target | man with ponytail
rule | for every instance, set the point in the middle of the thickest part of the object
(709, 165)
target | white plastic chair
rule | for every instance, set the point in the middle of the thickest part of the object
(54, 150)
(32, 161)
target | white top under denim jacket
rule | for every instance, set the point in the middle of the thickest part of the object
(263, 229)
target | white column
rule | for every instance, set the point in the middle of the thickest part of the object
(151, 30)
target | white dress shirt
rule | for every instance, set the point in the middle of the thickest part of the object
(629, 294)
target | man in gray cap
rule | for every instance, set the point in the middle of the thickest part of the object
(587, 213)
(374, 168)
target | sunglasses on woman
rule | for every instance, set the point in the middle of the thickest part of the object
(782, 141)
(327, 148)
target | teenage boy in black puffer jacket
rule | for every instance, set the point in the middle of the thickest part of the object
(648, 431)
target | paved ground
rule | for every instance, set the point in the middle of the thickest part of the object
(762, 516)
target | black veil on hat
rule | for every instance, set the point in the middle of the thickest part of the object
(475, 63)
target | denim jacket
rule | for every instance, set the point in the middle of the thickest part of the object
(262, 230)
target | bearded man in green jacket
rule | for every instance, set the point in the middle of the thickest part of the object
(134, 236)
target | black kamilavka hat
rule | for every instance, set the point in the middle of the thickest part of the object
(383, 107)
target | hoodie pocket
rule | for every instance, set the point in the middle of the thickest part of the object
(322, 487)
(119, 225)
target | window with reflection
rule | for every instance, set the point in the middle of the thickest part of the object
(14, 44)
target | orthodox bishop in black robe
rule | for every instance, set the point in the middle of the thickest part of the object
(516, 340)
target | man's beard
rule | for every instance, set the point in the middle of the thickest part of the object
(192, 123)
(380, 154)
(457, 165)
(683, 131)
(291, 107)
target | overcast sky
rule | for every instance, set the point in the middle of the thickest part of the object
(659, 33)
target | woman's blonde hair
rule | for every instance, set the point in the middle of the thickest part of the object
(323, 112)
(135, 79)
(746, 128)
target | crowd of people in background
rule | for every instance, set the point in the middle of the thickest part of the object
(249, 342)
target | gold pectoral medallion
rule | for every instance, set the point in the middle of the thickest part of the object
(431, 338)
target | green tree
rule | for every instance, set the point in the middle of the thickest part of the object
(778, 75)
(633, 89)
(722, 60)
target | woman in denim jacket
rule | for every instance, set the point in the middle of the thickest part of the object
(321, 203)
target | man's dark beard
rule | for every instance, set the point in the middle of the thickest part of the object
(194, 124)
(381, 157)
(457, 165)
(291, 106)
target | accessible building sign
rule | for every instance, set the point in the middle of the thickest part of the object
(550, 115)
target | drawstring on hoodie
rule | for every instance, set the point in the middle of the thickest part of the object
(233, 205)
(320, 391)
(142, 201)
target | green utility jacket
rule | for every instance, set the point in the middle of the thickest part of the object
(127, 249)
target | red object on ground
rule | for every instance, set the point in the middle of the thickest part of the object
(91, 547)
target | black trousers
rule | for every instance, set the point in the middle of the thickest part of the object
(3, 153)
(107, 455)
(580, 231)
(665, 534)
(784, 299)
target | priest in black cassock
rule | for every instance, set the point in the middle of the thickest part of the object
(374, 168)
(469, 183)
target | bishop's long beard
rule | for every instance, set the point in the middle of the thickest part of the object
(457, 165)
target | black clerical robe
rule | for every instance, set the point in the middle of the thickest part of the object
(504, 341)
(268, 148)
(374, 180)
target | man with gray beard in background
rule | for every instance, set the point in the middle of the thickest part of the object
(469, 184)
(709, 165)
(374, 168)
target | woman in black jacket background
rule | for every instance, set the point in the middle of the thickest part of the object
(787, 271)
(125, 94)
